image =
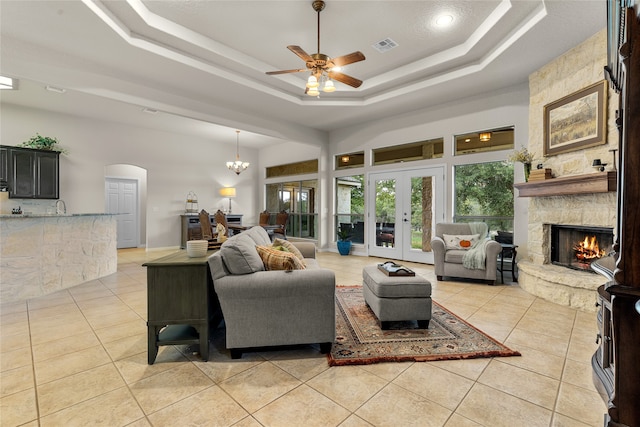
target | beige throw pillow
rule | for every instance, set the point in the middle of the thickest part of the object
(274, 259)
(463, 242)
(289, 246)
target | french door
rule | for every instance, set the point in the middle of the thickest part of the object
(404, 207)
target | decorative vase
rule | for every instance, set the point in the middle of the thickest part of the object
(527, 171)
(344, 247)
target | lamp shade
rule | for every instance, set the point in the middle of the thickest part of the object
(228, 192)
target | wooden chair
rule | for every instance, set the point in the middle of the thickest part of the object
(265, 217)
(205, 225)
(229, 230)
(281, 219)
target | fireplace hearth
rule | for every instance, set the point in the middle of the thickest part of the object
(577, 247)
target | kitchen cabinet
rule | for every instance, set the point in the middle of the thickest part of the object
(31, 174)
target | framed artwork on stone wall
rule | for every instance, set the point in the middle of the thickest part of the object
(576, 121)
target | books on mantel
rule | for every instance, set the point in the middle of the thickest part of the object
(540, 175)
(390, 268)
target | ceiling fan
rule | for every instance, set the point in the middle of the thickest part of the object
(321, 66)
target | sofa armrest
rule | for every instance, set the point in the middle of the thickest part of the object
(308, 249)
(439, 250)
(493, 249)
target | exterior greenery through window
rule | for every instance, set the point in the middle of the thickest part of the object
(484, 192)
(350, 206)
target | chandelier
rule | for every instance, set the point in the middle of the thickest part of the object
(237, 166)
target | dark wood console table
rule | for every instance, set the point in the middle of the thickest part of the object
(181, 304)
(190, 226)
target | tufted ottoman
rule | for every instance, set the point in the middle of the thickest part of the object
(397, 298)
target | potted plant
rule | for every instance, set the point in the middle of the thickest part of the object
(40, 142)
(344, 244)
(525, 157)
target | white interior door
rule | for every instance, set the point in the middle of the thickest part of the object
(121, 197)
(404, 207)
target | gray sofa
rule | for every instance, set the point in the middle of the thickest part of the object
(272, 308)
(448, 262)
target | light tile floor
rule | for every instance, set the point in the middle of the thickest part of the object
(79, 358)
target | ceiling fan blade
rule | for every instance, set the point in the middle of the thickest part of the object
(271, 73)
(343, 78)
(300, 52)
(343, 60)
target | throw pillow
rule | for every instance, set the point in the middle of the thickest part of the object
(290, 247)
(463, 241)
(274, 259)
(240, 256)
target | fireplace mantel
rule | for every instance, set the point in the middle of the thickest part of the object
(599, 182)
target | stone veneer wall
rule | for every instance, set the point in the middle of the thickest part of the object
(41, 255)
(575, 70)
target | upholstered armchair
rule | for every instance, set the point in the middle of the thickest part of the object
(452, 241)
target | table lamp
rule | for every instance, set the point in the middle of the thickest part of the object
(228, 192)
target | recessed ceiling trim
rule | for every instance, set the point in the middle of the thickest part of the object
(447, 55)
(175, 30)
(534, 18)
(150, 46)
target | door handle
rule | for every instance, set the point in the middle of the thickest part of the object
(405, 220)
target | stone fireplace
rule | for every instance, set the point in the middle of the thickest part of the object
(562, 284)
(577, 195)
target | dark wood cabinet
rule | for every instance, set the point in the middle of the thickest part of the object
(182, 306)
(191, 230)
(616, 362)
(31, 174)
(4, 165)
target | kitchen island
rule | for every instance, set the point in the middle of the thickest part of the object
(42, 254)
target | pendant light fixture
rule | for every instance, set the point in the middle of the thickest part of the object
(237, 166)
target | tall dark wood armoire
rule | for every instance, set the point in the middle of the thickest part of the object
(616, 364)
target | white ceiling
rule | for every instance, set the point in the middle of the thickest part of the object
(202, 64)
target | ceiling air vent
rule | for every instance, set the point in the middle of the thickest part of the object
(384, 45)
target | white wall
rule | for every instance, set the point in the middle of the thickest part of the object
(490, 111)
(175, 164)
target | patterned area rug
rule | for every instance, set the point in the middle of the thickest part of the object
(360, 341)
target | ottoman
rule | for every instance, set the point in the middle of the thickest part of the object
(397, 298)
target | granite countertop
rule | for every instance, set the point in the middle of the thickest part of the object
(41, 215)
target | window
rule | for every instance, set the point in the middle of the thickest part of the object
(484, 192)
(486, 140)
(298, 198)
(307, 166)
(351, 160)
(350, 206)
(429, 149)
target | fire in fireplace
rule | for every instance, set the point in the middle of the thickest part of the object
(588, 250)
(578, 246)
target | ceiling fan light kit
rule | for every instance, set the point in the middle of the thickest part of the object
(323, 68)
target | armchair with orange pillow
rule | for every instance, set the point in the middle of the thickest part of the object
(453, 245)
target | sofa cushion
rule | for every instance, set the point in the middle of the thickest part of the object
(274, 259)
(240, 255)
(259, 235)
(289, 246)
(460, 241)
(454, 256)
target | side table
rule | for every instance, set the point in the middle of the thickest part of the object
(181, 304)
(509, 251)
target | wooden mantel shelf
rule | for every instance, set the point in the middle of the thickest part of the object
(599, 182)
